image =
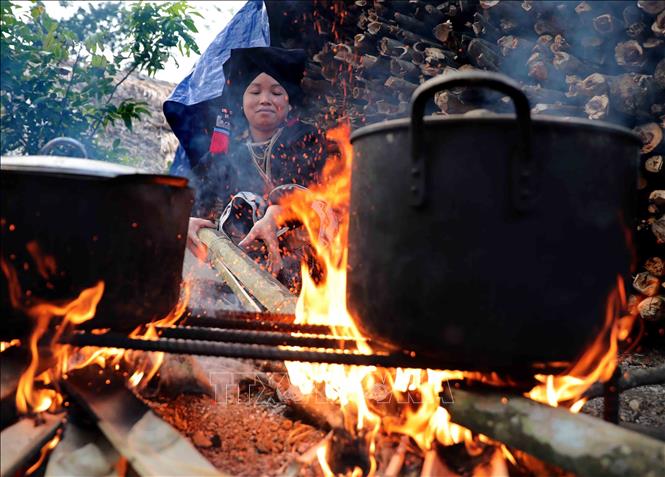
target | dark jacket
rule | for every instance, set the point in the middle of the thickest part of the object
(297, 158)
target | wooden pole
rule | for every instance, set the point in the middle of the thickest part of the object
(578, 443)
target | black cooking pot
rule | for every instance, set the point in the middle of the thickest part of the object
(488, 242)
(99, 221)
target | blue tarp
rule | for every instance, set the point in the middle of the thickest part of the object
(193, 105)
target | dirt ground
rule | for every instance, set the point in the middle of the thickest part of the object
(244, 437)
(245, 430)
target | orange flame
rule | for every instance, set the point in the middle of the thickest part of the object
(32, 398)
(324, 302)
(82, 308)
(46, 449)
(4, 345)
(596, 364)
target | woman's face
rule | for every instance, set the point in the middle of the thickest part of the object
(265, 103)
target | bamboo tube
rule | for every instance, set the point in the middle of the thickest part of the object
(231, 262)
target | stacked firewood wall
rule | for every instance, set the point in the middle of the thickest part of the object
(589, 59)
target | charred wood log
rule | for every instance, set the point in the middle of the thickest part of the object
(593, 85)
(654, 164)
(442, 31)
(653, 308)
(375, 66)
(484, 54)
(434, 15)
(541, 70)
(646, 284)
(516, 50)
(409, 23)
(651, 135)
(364, 44)
(588, 447)
(404, 69)
(559, 109)
(400, 84)
(569, 64)
(23, 440)
(632, 93)
(483, 27)
(658, 26)
(630, 379)
(633, 18)
(394, 48)
(652, 7)
(630, 55)
(597, 107)
(607, 25)
(536, 95)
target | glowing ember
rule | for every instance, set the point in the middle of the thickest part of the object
(46, 449)
(9, 344)
(324, 302)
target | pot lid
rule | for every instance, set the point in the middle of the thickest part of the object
(73, 166)
(65, 165)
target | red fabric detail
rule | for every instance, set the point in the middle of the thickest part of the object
(219, 143)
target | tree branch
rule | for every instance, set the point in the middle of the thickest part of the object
(631, 379)
(65, 98)
(108, 100)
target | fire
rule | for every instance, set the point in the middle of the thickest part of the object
(596, 364)
(147, 369)
(9, 344)
(37, 390)
(82, 308)
(324, 302)
(46, 449)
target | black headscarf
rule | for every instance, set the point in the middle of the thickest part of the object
(245, 64)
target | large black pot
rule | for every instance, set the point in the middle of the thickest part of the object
(99, 221)
(488, 242)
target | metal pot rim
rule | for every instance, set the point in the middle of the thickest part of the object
(538, 120)
(83, 168)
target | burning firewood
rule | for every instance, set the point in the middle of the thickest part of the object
(177, 374)
(630, 379)
(587, 447)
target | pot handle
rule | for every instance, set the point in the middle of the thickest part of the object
(524, 169)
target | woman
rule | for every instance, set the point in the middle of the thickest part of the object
(259, 151)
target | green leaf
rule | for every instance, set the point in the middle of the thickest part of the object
(98, 61)
(190, 24)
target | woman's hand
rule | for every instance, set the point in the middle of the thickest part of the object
(266, 229)
(195, 245)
